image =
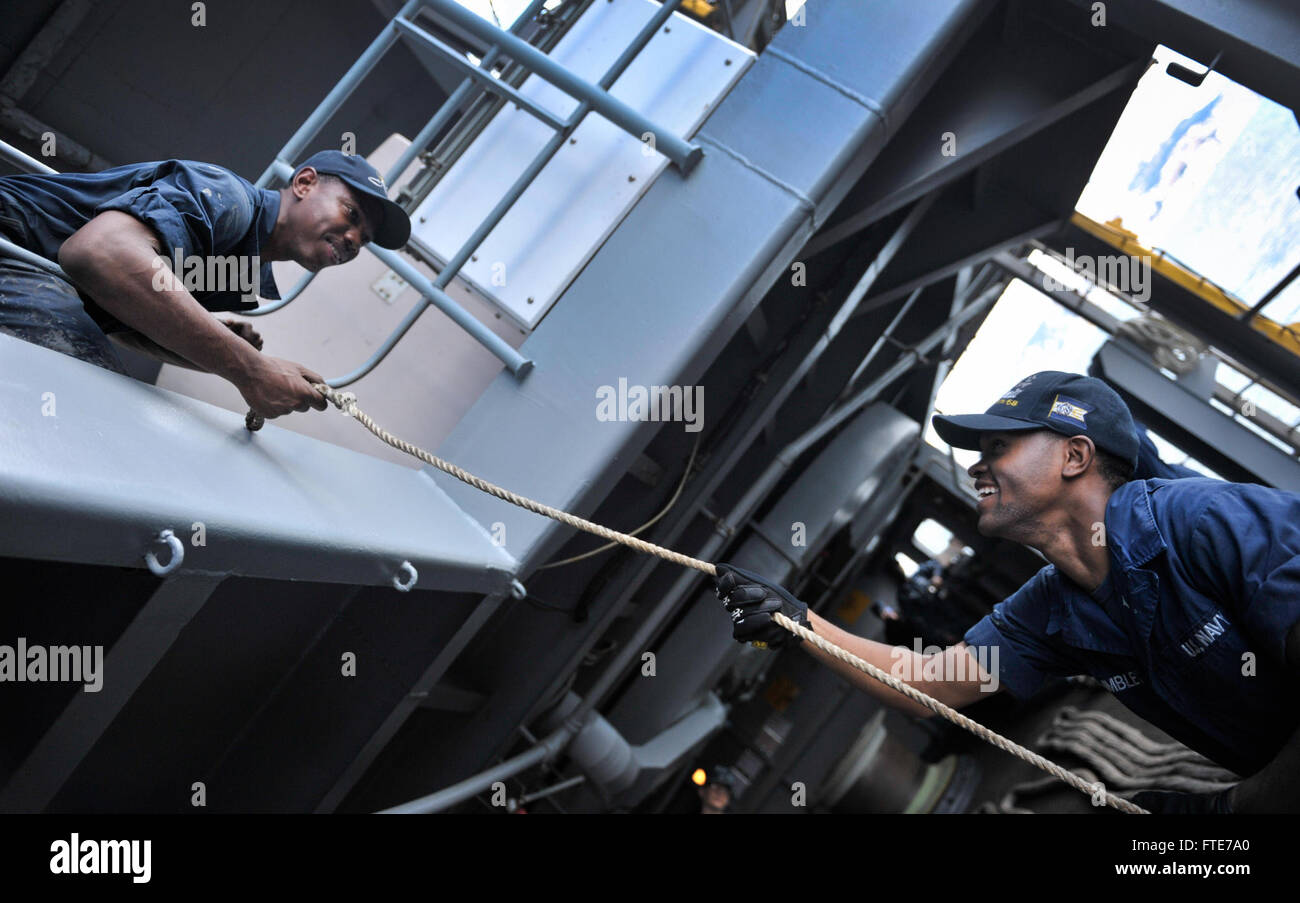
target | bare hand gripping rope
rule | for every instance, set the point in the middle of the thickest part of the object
(347, 403)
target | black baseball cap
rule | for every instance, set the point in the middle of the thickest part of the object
(726, 777)
(1068, 403)
(395, 228)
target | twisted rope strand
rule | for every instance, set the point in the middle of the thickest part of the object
(955, 716)
(347, 403)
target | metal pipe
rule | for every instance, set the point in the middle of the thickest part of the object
(340, 92)
(24, 162)
(516, 362)
(754, 496)
(553, 789)
(496, 86)
(648, 31)
(452, 103)
(432, 127)
(548, 748)
(264, 309)
(453, 267)
(880, 341)
(9, 249)
(1247, 315)
(683, 154)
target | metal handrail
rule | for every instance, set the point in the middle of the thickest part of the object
(480, 75)
(17, 252)
(417, 146)
(23, 161)
(684, 154)
(386, 38)
(453, 267)
(591, 97)
(28, 164)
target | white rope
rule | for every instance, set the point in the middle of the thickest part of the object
(347, 402)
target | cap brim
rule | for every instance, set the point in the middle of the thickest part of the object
(394, 232)
(964, 430)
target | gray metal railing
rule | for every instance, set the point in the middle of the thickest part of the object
(27, 164)
(592, 98)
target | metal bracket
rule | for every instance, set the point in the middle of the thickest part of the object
(168, 538)
(1190, 76)
(413, 575)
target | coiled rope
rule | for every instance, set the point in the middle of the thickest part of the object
(347, 403)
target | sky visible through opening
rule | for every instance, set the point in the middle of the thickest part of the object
(1209, 175)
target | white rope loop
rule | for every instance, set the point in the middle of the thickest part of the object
(347, 402)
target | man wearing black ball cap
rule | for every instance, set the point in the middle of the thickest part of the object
(1181, 596)
(122, 236)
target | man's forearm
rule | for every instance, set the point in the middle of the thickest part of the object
(894, 660)
(129, 338)
(129, 280)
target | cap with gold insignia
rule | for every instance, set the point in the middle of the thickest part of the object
(1070, 404)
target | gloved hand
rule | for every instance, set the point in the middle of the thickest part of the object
(751, 600)
(1169, 802)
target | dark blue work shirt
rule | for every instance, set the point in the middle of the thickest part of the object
(198, 210)
(1188, 630)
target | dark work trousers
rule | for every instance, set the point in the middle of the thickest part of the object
(40, 307)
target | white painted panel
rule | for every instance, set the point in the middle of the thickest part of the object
(582, 194)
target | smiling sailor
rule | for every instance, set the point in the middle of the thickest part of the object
(1181, 596)
(153, 249)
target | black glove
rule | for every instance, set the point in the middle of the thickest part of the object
(751, 600)
(1169, 802)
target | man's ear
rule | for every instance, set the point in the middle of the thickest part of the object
(1080, 453)
(304, 181)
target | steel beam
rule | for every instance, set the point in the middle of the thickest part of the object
(420, 694)
(72, 736)
(995, 118)
(1209, 434)
(1259, 39)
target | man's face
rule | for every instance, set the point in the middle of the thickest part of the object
(329, 223)
(1018, 477)
(716, 797)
